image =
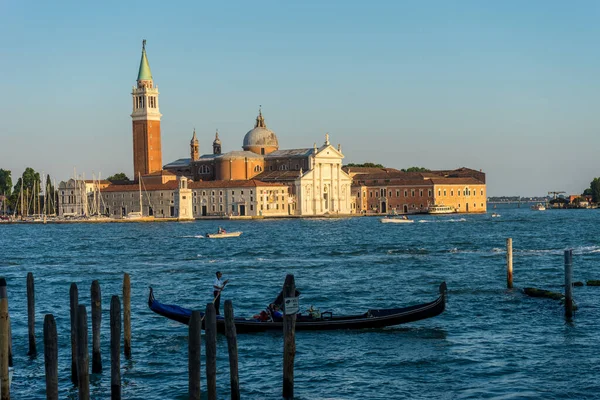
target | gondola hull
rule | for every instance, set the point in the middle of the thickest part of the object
(370, 319)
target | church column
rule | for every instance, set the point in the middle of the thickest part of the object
(339, 186)
(321, 191)
(314, 191)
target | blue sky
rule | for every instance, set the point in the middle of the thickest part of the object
(508, 87)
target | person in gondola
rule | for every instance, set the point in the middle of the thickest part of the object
(275, 311)
(218, 286)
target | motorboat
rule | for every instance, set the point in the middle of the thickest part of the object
(314, 320)
(538, 207)
(495, 215)
(223, 234)
(396, 220)
(441, 209)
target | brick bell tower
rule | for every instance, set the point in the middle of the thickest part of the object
(147, 154)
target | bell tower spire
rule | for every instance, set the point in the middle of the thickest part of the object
(194, 148)
(147, 153)
(217, 144)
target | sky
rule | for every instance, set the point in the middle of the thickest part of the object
(510, 88)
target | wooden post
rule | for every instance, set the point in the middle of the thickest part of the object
(4, 339)
(568, 284)
(51, 357)
(210, 335)
(96, 297)
(195, 350)
(83, 358)
(115, 348)
(230, 332)
(127, 316)
(509, 263)
(31, 314)
(289, 340)
(74, 302)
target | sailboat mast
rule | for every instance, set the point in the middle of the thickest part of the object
(140, 183)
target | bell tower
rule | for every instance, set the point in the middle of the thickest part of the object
(147, 153)
(194, 148)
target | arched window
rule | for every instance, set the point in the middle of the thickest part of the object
(283, 167)
(258, 168)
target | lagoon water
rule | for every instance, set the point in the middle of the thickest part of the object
(490, 342)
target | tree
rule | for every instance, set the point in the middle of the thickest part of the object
(51, 196)
(30, 179)
(595, 188)
(587, 192)
(5, 182)
(415, 169)
(118, 177)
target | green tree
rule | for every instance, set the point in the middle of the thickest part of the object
(595, 188)
(118, 177)
(51, 196)
(415, 169)
(30, 180)
(5, 182)
(587, 192)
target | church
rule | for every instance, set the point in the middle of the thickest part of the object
(313, 177)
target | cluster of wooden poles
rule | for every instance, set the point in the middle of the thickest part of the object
(79, 343)
(567, 297)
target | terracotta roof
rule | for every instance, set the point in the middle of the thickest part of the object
(229, 184)
(369, 170)
(134, 187)
(456, 181)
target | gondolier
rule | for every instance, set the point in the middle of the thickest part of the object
(218, 286)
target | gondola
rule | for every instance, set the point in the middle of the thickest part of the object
(375, 318)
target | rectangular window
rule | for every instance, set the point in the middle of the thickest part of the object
(232, 192)
(220, 207)
(251, 198)
(397, 193)
(452, 192)
(421, 193)
(203, 193)
(242, 192)
(406, 193)
(429, 193)
(412, 192)
(251, 207)
(444, 192)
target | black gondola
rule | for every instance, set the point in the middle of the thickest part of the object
(326, 321)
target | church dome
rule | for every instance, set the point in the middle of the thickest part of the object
(260, 137)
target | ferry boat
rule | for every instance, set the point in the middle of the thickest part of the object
(441, 209)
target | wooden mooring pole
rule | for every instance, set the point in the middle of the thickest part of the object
(51, 357)
(289, 341)
(83, 358)
(568, 284)
(4, 339)
(74, 302)
(210, 336)
(31, 314)
(96, 298)
(115, 348)
(194, 353)
(230, 332)
(127, 316)
(509, 263)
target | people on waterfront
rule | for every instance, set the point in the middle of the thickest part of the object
(218, 286)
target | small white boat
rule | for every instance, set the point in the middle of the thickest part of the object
(223, 235)
(495, 215)
(399, 220)
(441, 209)
(538, 207)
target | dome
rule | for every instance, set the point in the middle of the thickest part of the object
(260, 136)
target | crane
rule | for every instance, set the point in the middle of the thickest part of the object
(555, 193)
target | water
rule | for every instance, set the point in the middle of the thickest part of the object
(490, 343)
